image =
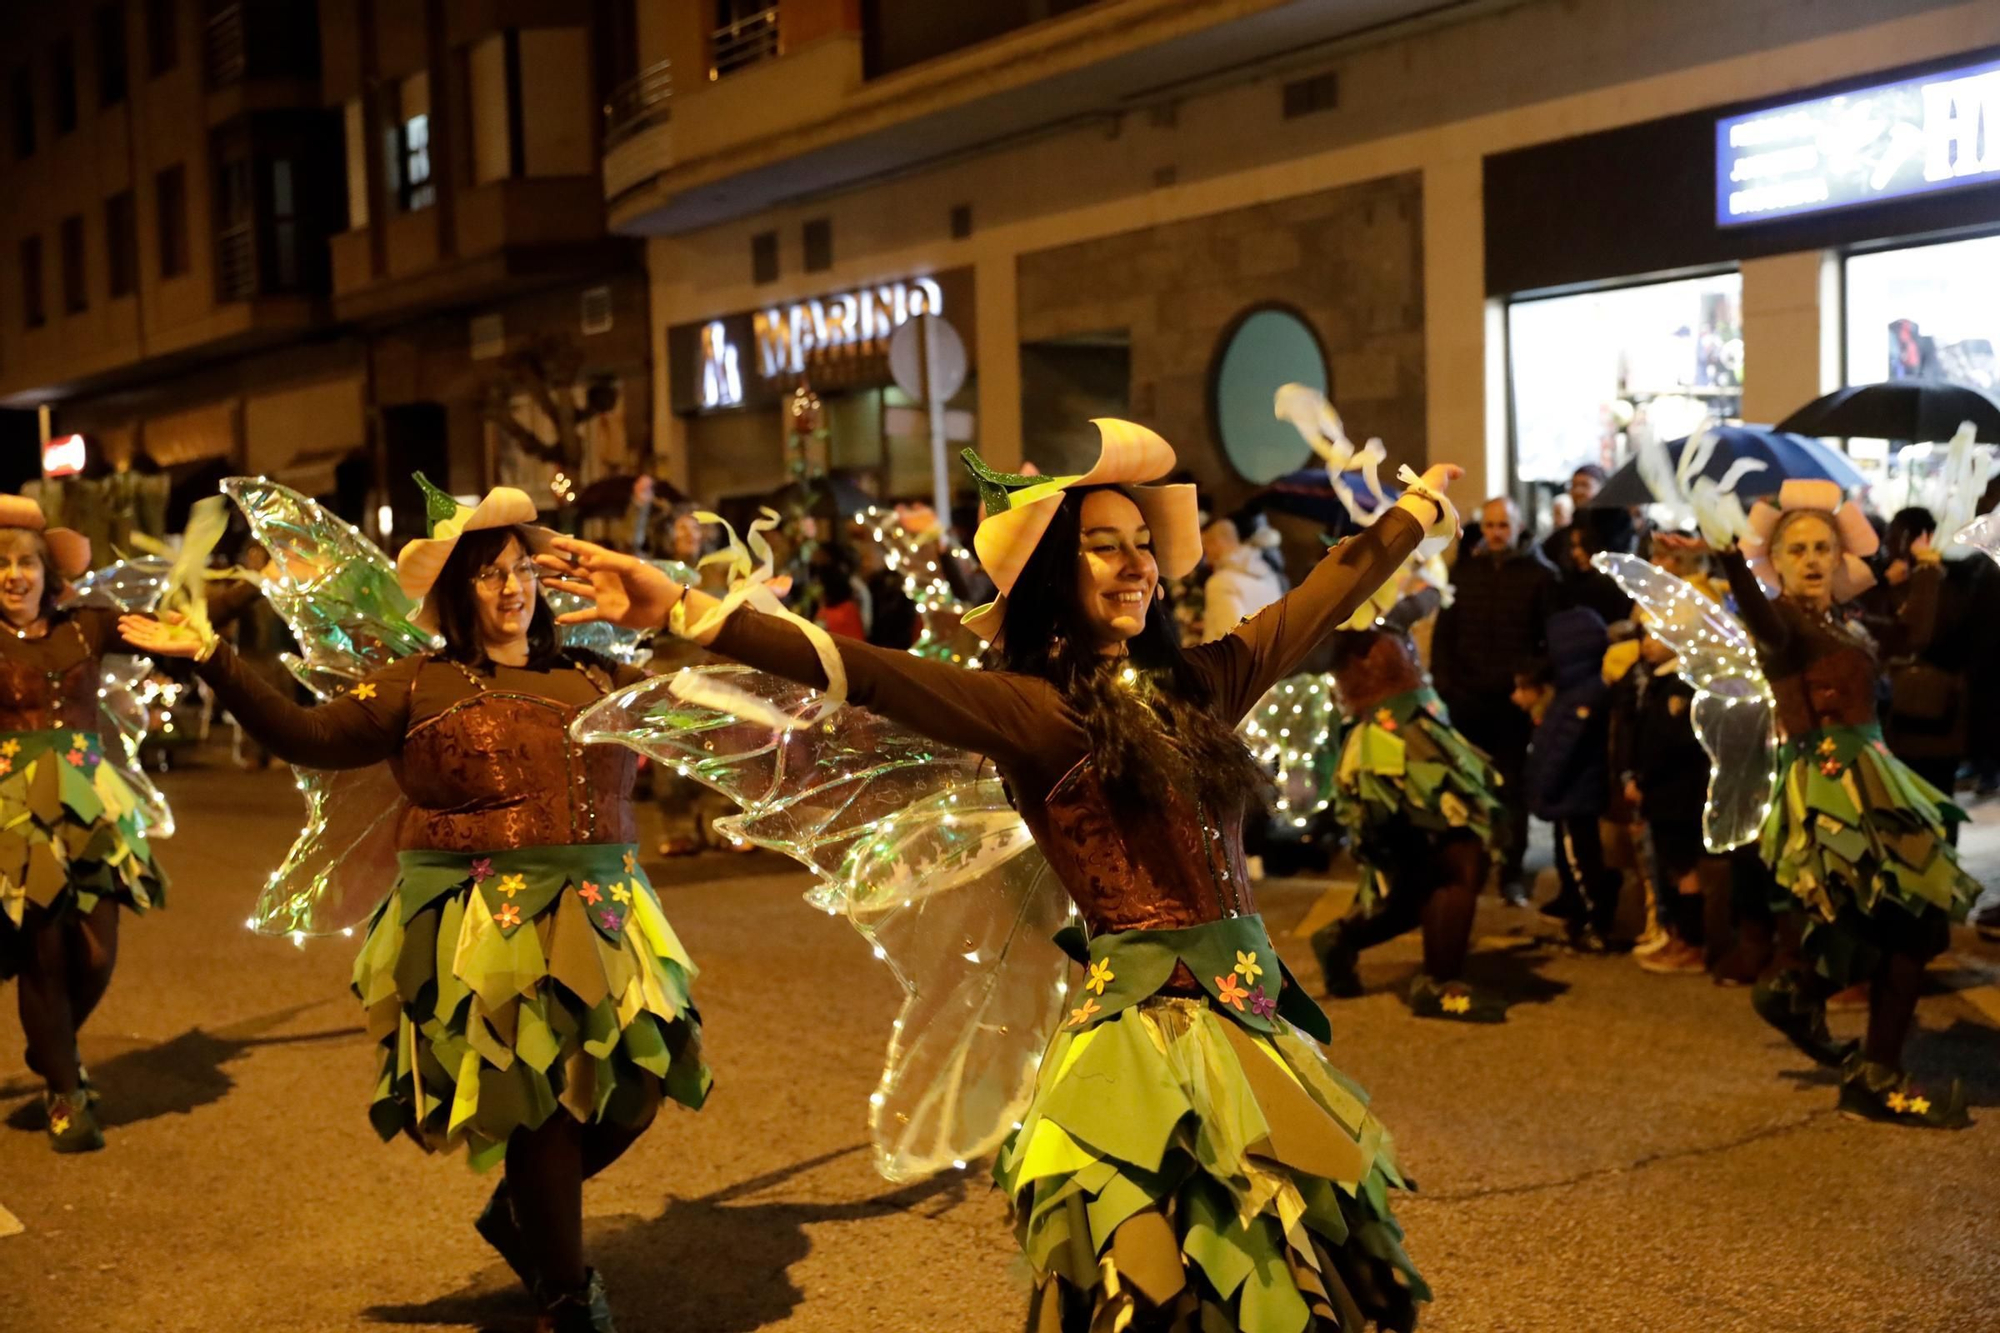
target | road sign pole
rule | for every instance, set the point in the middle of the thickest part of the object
(940, 465)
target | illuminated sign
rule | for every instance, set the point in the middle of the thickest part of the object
(63, 457)
(786, 337)
(1915, 136)
(751, 358)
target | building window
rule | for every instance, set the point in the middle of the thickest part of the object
(961, 221)
(62, 61)
(33, 313)
(121, 243)
(170, 200)
(109, 20)
(76, 285)
(764, 257)
(24, 113)
(163, 36)
(235, 222)
(819, 245)
(1593, 373)
(407, 144)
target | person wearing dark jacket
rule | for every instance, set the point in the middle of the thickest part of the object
(1926, 718)
(1665, 773)
(1492, 630)
(1568, 770)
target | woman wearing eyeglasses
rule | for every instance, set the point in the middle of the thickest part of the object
(530, 999)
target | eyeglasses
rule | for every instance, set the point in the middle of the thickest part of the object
(494, 577)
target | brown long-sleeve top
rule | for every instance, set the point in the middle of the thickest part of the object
(1823, 672)
(49, 682)
(483, 754)
(1175, 867)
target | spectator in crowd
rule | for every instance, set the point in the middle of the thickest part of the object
(892, 616)
(1492, 630)
(1664, 773)
(1567, 775)
(838, 596)
(1241, 581)
(1926, 720)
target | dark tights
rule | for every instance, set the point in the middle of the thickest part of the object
(546, 1168)
(66, 966)
(1892, 1007)
(1443, 906)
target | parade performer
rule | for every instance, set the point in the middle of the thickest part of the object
(1417, 800)
(1858, 841)
(1186, 1157)
(73, 828)
(1785, 705)
(530, 999)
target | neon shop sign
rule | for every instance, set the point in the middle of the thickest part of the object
(1911, 137)
(789, 337)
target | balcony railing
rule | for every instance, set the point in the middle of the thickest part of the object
(745, 42)
(236, 262)
(225, 50)
(638, 104)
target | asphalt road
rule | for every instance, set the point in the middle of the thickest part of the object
(1629, 1152)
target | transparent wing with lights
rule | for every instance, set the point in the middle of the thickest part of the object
(1295, 732)
(130, 690)
(337, 592)
(1733, 707)
(924, 856)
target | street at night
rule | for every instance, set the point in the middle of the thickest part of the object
(1629, 1152)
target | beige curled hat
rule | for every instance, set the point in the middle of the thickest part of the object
(69, 549)
(422, 559)
(1019, 508)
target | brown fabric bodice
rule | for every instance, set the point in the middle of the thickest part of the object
(1162, 870)
(499, 770)
(1372, 665)
(1835, 689)
(50, 683)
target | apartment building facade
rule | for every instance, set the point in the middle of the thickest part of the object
(313, 240)
(1495, 231)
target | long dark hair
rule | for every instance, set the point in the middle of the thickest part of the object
(54, 585)
(458, 613)
(1156, 733)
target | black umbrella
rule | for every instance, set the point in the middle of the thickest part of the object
(1915, 410)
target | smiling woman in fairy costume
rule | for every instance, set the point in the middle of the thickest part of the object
(1237, 1181)
(72, 853)
(1858, 841)
(563, 1018)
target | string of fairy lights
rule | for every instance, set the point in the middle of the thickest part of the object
(1290, 731)
(915, 555)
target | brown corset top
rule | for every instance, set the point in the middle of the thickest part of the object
(1372, 665)
(1161, 870)
(499, 770)
(50, 683)
(1837, 689)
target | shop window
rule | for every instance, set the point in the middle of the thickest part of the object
(1928, 312)
(764, 257)
(33, 313)
(961, 221)
(121, 243)
(76, 286)
(109, 24)
(1592, 374)
(170, 202)
(818, 243)
(62, 68)
(163, 36)
(23, 100)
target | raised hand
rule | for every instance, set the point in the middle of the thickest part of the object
(171, 637)
(623, 589)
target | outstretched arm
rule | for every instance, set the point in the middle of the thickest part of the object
(364, 726)
(1753, 606)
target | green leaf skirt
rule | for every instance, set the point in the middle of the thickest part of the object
(70, 833)
(1859, 843)
(1174, 1164)
(509, 986)
(1404, 767)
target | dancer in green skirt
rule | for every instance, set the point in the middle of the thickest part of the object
(1188, 1160)
(531, 1001)
(1858, 842)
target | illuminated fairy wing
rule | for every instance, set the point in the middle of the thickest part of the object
(1733, 708)
(338, 594)
(128, 686)
(923, 855)
(1295, 733)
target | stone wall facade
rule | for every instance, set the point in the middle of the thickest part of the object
(1349, 259)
